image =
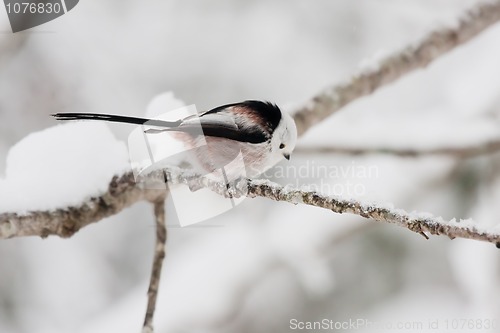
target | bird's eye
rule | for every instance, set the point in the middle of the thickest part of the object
(282, 146)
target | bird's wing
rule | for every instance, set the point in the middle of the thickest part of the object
(221, 125)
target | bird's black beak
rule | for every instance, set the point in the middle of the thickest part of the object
(287, 156)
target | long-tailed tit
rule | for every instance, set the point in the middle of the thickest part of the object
(260, 131)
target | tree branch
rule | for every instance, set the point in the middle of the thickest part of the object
(420, 223)
(154, 283)
(469, 151)
(65, 222)
(398, 64)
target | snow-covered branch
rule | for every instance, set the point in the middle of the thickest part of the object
(421, 223)
(123, 194)
(64, 222)
(396, 65)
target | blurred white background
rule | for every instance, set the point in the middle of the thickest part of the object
(269, 262)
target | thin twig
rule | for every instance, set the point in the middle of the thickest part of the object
(396, 65)
(470, 151)
(159, 255)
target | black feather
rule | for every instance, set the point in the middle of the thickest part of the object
(116, 119)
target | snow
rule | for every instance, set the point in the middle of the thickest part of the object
(61, 166)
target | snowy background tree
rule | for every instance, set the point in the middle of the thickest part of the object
(431, 142)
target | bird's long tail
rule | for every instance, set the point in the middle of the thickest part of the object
(117, 119)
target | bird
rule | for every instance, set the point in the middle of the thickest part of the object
(258, 130)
